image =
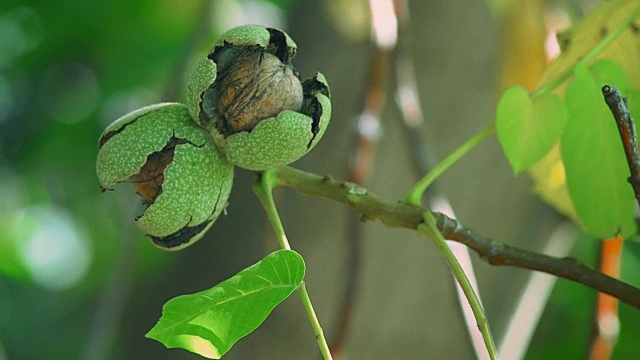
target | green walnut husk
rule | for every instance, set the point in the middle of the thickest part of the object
(184, 180)
(269, 118)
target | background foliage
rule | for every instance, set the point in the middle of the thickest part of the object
(79, 281)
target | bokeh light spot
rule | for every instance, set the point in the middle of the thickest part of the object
(53, 247)
(23, 27)
(69, 92)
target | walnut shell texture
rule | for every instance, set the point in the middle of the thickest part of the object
(255, 87)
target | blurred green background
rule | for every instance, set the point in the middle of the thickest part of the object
(79, 280)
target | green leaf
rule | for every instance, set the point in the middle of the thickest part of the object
(594, 161)
(527, 129)
(633, 104)
(609, 72)
(208, 323)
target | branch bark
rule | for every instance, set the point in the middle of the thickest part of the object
(402, 215)
(627, 129)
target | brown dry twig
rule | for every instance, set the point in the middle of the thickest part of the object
(627, 129)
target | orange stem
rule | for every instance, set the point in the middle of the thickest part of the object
(608, 325)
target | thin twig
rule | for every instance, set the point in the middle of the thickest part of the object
(362, 157)
(418, 190)
(627, 129)
(407, 97)
(399, 214)
(497, 253)
(360, 169)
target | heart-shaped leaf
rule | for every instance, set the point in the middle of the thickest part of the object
(209, 322)
(527, 128)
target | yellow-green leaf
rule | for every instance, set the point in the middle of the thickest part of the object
(527, 128)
